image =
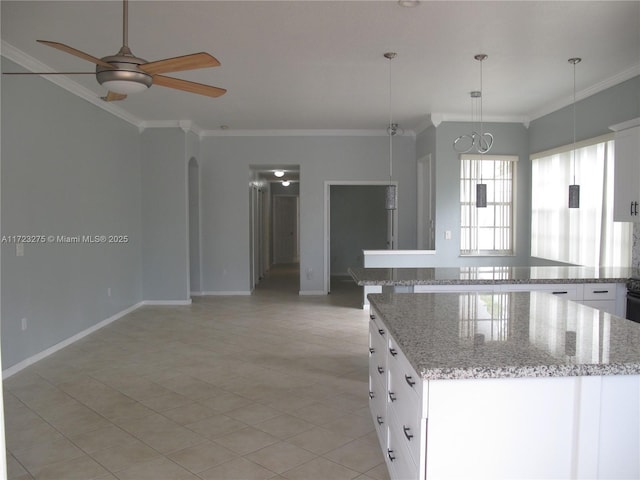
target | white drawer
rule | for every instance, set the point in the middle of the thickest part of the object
(378, 409)
(405, 377)
(401, 465)
(404, 414)
(568, 291)
(599, 291)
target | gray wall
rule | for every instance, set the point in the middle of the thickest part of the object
(68, 168)
(358, 222)
(594, 116)
(226, 165)
(165, 240)
(510, 139)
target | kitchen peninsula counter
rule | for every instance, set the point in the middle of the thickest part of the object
(517, 384)
(602, 288)
(488, 275)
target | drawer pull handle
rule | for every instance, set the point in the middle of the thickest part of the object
(392, 396)
(560, 293)
(372, 316)
(379, 420)
(381, 332)
(390, 454)
(409, 380)
(372, 350)
(601, 291)
(406, 432)
(393, 352)
(380, 370)
(371, 395)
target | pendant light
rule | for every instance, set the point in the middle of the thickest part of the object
(391, 194)
(480, 142)
(574, 189)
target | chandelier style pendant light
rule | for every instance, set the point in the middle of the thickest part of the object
(574, 189)
(480, 142)
(391, 195)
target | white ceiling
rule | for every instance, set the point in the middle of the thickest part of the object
(319, 64)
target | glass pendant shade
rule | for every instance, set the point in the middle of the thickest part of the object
(391, 197)
(124, 86)
(574, 196)
(481, 195)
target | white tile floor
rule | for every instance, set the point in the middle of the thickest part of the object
(267, 386)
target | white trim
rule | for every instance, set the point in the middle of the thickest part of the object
(166, 302)
(311, 292)
(567, 148)
(634, 122)
(196, 294)
(65, 343)
(226, 293)
(587, 92)
(301, 133)
(12, 53)
(398, 252)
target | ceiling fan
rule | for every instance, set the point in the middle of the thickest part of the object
(124, 73)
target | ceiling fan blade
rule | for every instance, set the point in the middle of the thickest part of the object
(178, 64)
(113, 96)
(187, 86)
(76, 52)
(48, 73)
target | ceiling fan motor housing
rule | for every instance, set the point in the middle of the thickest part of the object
(124, 75)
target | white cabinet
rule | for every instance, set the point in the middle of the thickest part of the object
(626, 206)
(396, 404)
(501, 428)
(608, 297)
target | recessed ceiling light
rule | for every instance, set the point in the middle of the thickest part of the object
(279, 173)
(286, 183)
(408, 3)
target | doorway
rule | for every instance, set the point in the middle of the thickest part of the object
(286, 245)
(355, 219)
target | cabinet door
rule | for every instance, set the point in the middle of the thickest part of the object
(626, 205)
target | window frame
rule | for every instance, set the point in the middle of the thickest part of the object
(469, 183)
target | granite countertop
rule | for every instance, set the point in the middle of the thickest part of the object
(488, 275)
(507, 335)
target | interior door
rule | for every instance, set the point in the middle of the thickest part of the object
(285, 229)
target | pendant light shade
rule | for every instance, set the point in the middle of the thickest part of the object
(574, 190)
(481, 195)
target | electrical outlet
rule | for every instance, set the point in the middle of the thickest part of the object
(309, 273)
(447, 235)
(23, 324)
(19, 249)
(109, 292)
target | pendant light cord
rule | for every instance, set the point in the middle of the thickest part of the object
(390, 56)
(574, 120)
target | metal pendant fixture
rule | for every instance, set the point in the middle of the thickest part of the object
(480, 142)
(391, 194)
(574, 189)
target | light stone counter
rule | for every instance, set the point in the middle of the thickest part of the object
(507, 335)
(488, 275)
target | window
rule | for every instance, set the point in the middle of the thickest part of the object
(487, 231)
(587, 235)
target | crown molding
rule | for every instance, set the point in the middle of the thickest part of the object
(587, 92)
(302, 133)
(33, 65)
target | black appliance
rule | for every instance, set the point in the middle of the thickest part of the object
(633, 299)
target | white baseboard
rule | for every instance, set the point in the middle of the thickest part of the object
(166, 302)
(311, 292)
(221, 293)
(65, 343)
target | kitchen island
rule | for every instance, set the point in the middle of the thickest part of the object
(503, 385)
(603, 288)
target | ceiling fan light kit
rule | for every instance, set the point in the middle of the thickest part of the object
(125, 77)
